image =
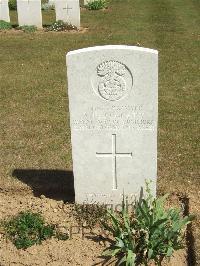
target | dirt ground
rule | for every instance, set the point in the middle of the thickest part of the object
(78, 250)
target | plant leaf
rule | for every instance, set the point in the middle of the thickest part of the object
(150, 253)
(123, 259)
(111, 252)
(170, 251)
(130, 261)
(120, 242)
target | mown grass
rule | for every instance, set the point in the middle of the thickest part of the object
(34, 118)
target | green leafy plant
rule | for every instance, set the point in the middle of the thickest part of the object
(12, 4)
(61, 26)
(27, 229)
(148, 233)
(28, 29)
(96, 4)
(4, 25)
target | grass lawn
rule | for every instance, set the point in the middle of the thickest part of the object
(34, 117)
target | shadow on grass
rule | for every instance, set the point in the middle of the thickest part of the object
(54, 184)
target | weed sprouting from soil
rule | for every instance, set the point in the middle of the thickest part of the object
(149, 233)
(89, 214)
(27, 229)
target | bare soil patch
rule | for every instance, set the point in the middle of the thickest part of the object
(78, 250)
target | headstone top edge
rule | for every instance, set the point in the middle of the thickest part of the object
(112, 47)
(26, 1)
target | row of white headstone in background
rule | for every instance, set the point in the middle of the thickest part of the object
(4, 10)
(29, 12)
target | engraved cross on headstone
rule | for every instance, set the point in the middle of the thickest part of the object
(67, 8)
(114, 154)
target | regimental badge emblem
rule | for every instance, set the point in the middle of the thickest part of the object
(112, 84)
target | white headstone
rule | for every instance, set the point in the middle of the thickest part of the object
(68, 11)
(113, 117)
(29, 13)
(4, 10)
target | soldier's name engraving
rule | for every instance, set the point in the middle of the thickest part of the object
(131, 117)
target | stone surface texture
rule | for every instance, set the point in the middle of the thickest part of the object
(4, 10)
(29, 13)
(51, 2)
(113, 117)
(68, 11)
